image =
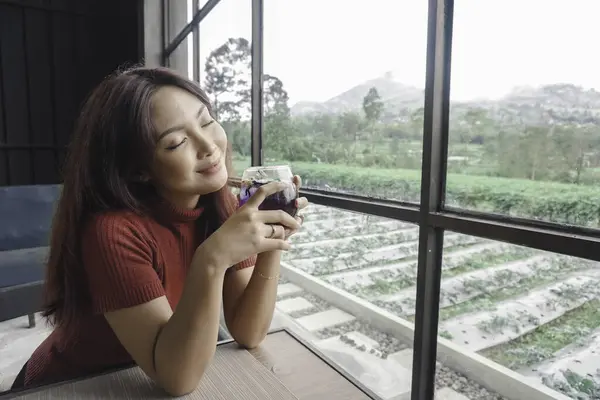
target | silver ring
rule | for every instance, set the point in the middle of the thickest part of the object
(272, 232)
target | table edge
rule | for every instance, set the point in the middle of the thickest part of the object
(323, 357)
(9, 394)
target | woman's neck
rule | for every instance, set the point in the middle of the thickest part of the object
(184, 202)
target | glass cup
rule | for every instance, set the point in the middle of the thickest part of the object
(255, 177)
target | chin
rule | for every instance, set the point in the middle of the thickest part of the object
(213, 183)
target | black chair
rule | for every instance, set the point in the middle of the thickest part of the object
(25, 219)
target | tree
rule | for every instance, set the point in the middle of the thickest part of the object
(477, 123)
(350, 123)
(275, 97)
(526, 151)
(278, 129)
(323, 124)
(228, 83)
(416, 121)
(573, 145)
(373, 108)
(238, 133)
(372, 105)
(228, 77)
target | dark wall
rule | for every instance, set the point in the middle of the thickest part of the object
(52, 52)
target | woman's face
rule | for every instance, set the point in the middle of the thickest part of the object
(189, 157)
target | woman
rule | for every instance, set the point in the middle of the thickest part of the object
(145, 237)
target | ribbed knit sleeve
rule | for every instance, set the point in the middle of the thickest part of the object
(119, 262)
(248, 262)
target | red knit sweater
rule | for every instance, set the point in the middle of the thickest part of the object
(128, 260)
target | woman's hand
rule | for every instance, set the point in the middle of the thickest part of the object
(250, 231)
(301, 203)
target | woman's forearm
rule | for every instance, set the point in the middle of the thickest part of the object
(254, 310)
(186, 344)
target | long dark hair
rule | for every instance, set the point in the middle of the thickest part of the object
(102, 173)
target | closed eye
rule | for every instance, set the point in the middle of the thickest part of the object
(177, 145)
(207, 124)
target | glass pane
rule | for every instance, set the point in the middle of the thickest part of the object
(366, 257)
(190, 42)
(344, 106)
(225, 72)
(202, 3)
(536, 313)
(524, 120)
(179, 16)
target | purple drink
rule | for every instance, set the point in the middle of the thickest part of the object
(255, 177)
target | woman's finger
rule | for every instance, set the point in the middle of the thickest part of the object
(272, 231)
(265, 191)
(297, 181)
(268, 231)
(278, 217)
(279, 232)
(275, 244)
(290, 232)
(301, 202)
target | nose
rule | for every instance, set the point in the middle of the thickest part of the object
(205, 146)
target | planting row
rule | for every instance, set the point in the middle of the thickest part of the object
(357, 256)
(520, 307)
(380, 361)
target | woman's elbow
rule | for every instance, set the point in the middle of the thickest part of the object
(250, 345)
(249, 341)
(246, 336)
(177, 392)
(178, 382)
(179, 387)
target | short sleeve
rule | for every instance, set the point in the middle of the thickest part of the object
(119, 264)
(248, 262)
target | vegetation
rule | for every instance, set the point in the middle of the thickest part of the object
(528, 162)
(533, 154)
(550, 201)
(542, 343)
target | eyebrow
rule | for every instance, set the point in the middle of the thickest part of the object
(179, 127)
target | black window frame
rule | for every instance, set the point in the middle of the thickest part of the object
(431, 214)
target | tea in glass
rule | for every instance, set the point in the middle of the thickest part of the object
(255, 177)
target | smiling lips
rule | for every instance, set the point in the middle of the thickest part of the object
(212, 168)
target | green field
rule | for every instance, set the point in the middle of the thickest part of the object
(549, 201)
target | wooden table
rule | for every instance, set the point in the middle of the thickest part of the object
(284, 367)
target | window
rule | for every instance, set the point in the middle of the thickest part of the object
(364, 256)
(524, 120)
(501, 160)
(339, 106)
(531, 311)
(225, 65)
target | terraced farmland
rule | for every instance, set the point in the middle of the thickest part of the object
(534, 312)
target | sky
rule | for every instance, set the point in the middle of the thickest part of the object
(320, 48)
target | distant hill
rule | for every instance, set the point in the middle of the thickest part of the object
(547, 103)
(394, 94)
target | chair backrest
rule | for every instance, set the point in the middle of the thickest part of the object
(26, 215)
